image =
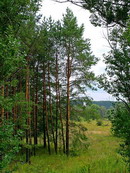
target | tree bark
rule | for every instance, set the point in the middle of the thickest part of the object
(28, 130)
(44, 107)
(7, 94)
(46, 126)
(68, 71)
(2, 110)
(50, 108)
(61, 121)
(57, 102)
(36, 108)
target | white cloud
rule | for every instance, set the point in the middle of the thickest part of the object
(100, 95)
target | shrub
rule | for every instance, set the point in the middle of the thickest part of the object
(120, 118)
(99, 123)
(79, 141)
(9, 144)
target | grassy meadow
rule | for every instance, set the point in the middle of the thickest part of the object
(100, 157)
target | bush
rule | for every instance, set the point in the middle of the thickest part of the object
(120, 118)
(99, 123)
(79, 144)
(79, 141)
(10, 143)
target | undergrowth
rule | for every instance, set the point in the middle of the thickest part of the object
(100, 156)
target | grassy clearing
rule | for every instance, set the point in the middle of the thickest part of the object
(101, 156)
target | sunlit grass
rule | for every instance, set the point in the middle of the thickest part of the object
(101, 156)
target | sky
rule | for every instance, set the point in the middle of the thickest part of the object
(99, 44)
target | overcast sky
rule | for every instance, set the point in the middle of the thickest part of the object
(99, 44)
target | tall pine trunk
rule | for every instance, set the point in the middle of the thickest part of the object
(2, 94)
(57, 102)
(44, 109)
(45, 113)
(68, 73)
(7, 94)
(36, 109)
(14, 110)
(61, 121)
(50, 107)
(28, 121)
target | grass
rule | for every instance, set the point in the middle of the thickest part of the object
(101, 156)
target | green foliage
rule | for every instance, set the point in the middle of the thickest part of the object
(79, 140)
(6, 103)
(88, 112)
(116, 82)
(92, 112)
(10, 56)
(14, 13)
(9, 144)
(79, 144)
(79, 51)
(105, 12)
(126, 34)
(120, 118)
(108, 12)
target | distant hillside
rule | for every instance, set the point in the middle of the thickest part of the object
(106, 104)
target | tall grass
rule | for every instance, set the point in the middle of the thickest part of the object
(100, 157)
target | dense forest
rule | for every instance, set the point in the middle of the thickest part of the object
(45, 68)
(106, 104)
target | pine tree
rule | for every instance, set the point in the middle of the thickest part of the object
(78, 59)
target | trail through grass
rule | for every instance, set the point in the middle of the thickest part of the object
(101, 156)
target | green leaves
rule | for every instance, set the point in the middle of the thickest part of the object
(120, 118)
(11, 57)
(79, 52)
(70, 27)
(9, 143)
(107, 12)
(117, 82)
(14, 13)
